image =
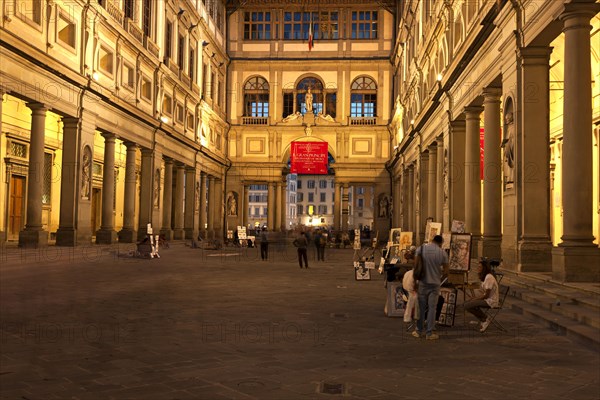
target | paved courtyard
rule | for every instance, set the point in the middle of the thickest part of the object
(93, 323)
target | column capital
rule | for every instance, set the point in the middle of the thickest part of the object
(211, 177)
(190, 169)
(203, 174)
(535, 55)
(108, 136)
(168, 160)
(70, 122)
(179, 165)
(146, 152)
(491, 94)
(36, 106)
(130, 145)
(574, 14)
(473, 112)
(432, 147)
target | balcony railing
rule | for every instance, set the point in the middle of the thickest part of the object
(363, 120)
(255, 120)
(134, 30)
(114, 11)
(151, 46)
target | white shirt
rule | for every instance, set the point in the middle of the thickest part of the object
(490, 283)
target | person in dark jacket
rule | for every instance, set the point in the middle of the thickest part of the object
(302, 243)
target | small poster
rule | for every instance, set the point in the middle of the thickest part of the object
(449, 307)
(241, 232)
(457, 226)
(395, 300)
(405, 240)
(431, 230)
(361, 272)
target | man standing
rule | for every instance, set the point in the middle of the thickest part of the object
(435, 263)
(302, 243)
(320, 241)
(264, 244)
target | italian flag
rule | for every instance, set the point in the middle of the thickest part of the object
(310, 34)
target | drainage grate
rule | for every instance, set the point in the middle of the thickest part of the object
(332, 388)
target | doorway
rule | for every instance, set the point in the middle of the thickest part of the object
(96, 210)
(16, 208)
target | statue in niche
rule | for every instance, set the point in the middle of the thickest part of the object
(446, 177)
(509, 148)
(383, 206)
(156, 194)
(308, 101)
(86, 168)
(197, 196)
(231, 205)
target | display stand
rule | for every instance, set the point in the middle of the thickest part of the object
(149, 247)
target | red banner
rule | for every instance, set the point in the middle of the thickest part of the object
(309, 158)
(481, 135)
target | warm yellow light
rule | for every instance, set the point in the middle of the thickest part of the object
(164, 119)
(439, 77)
(95, 76)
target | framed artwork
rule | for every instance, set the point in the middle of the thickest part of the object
(460, 252)
(361, 272)
(448, 308)
(395, 236)
(457, 226)
(405, 240)
(395, 301)
(432, 229)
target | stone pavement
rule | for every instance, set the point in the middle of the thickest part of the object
(92, 323)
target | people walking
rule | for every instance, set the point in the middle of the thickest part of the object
(264, 244)
(435, 263)
(320, 241)
(302, 243)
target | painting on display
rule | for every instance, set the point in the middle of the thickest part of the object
(448, 308)
(460, 252)
(396, 305)
(431, 230)
(361, 272)
(405, 240)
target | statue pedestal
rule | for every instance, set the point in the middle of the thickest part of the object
(309, 119)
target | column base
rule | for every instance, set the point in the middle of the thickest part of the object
(167, 233)
(66, 237)
(179, 234)
(191, 234)
(33, 239)
(127, 236)
(106, 236)
(576, 264)
(534, 256)
(491, 247)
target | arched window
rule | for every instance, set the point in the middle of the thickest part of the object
(256, 97)
(324, 100)
(363, 99)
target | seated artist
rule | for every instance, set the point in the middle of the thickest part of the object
(488, 298)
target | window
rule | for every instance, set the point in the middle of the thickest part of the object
(332, 184)
(257, 25)
(105, 60)
(322, 209)
(128, 77)
(66, 31)
(364, 24)
(47, 185)
(293, 99)
(256, 97)
(180, 51)
(288, 104)
(146, 92)
(190, 120)
(167, 105)
(128, 9)
(29, 9)
(333, 196)
(363, 98)
(192, 65)
(297, 25)
(360, 190)
(256, 211)
(327, 26)
(212, 85)
(323, 199)
(323, 184)
(147, 17)
(311, 197)
(168, 38)
(220, 97)
(359, 204)
(179, 113)
(299, 184)
(300, 209)
(204, 79)
(300, 196)
(311, 184)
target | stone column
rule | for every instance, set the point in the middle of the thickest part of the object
(492, 175)
(423, 194)
(337, 200)
(167, 200)
(405, 190)
(246, 203)
(148, 193)
(34, 235)
(577, 258)
(432, 195)
(283, 208)
(472, 178)
(396, 193)
(128, 233)
(456, 172)
(107, 233)
(345, 211)
(219, 209)
(270, 205)
(534, 248)
(66, 235)
(191, 230)
(202, 216)
(211, 207)
(179, 207)
(278, 196)
(411, 199)
(439, 184)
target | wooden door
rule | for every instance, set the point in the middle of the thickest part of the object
(16, 208)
